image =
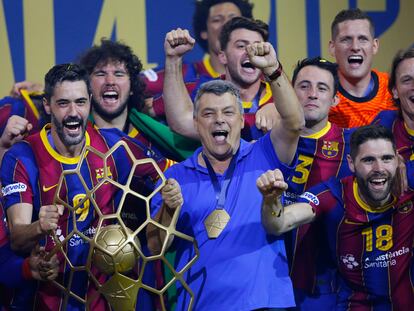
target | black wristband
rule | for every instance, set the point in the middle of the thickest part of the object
(275, 74)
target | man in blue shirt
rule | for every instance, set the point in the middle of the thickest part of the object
(239, 266)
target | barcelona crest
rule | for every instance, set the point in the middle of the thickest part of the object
(405, 207)
(100, 173)
(330, 148)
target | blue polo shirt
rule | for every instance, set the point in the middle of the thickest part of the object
(244, 268)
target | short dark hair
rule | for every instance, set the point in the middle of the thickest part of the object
(242, 23)
(320, 63)
(398, 58)
(369, 132)
(202, 11)
(64, 72)
(350, 14)
(111, 51)
(218, 87)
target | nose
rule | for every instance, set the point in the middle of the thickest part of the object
(73, 110)
(219, 118)
(355, 44)
(378, 166)
(312, 93)
(110, 79)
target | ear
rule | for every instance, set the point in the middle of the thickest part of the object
(375, 46)
(335, 101)
(331, 48)
(222, 58)
(203, 35)
(350, 163)
(394, 93)
(46, 105)
(242, 120)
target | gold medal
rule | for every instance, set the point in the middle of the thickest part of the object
(216, 222)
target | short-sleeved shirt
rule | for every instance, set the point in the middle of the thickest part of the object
(372, 247)
(244, 268)
(354, 111)
(30, 173)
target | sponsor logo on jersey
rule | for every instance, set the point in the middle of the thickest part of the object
(350, 222)
(330, 149)
(385, 260)
(349, 261)
(13, 188)
(310, 197)
(46, 189)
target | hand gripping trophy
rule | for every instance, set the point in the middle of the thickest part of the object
(102, 260)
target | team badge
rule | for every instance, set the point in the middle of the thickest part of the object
(330, 148)
(100, 173)
(405, 207)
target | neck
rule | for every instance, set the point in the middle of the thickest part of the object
(356, 87)
(408, 120)
(219, 165)
(248, 92)
(313, 127)
(216, 64)
(376, 204)
(118, 122)
(67, 151)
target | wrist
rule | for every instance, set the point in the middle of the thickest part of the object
(272, 74)
(274, 204)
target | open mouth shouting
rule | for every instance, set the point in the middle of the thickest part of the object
(355, 61)
(220, 136)
(248, 67)
(73, 126)
(378, 183)
(110, 96)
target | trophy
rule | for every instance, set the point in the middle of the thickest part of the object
(98, 249)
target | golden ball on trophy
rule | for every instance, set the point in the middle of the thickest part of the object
(123, 260)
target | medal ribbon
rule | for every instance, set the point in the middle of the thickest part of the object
(221, 190)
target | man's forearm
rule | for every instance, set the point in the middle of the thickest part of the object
(272, 215)
(23, 238)
(178, 105)
(287, 103)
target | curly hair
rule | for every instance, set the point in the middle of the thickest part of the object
(202, 11)
(109, 51)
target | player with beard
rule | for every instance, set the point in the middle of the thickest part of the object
(31, 170)
(369, 228)
(117, 87)
(363, 91)
(256, 94)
